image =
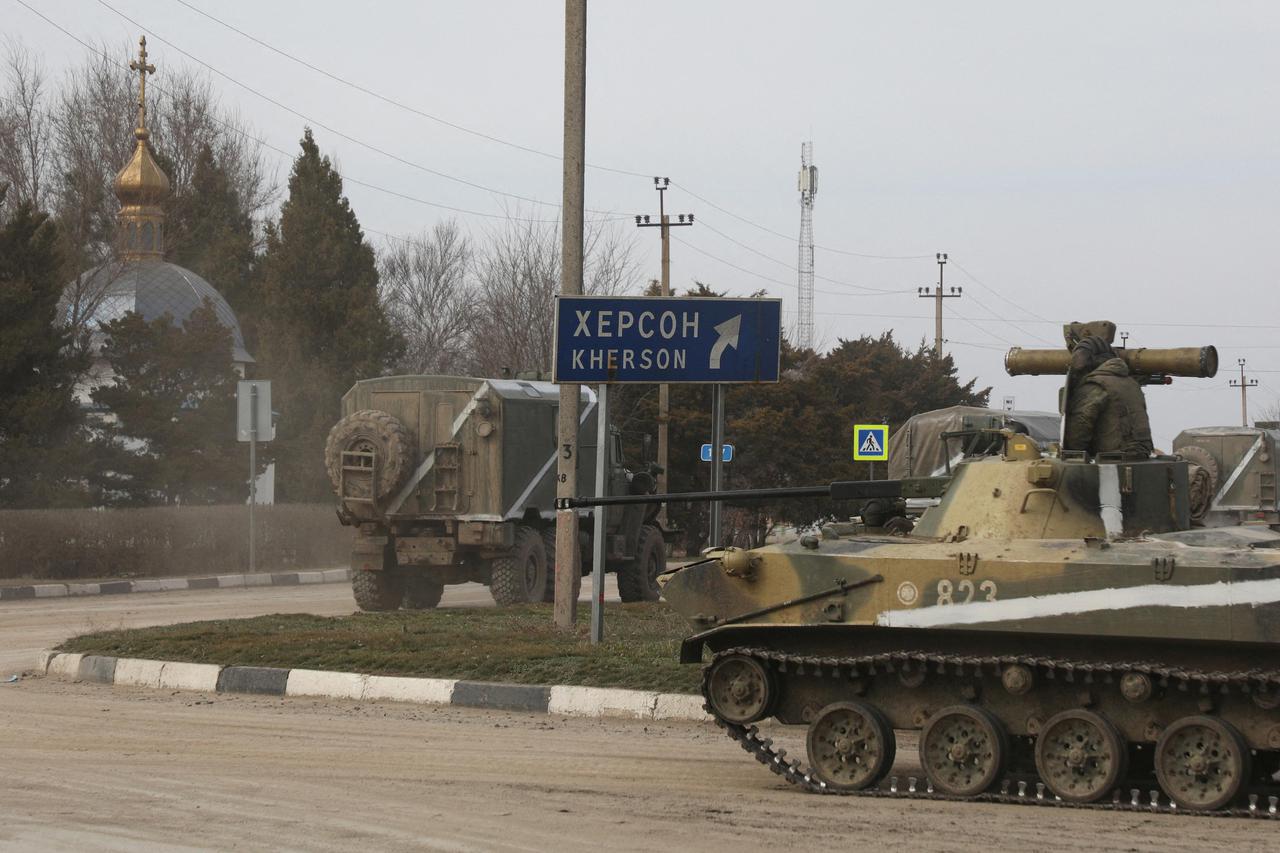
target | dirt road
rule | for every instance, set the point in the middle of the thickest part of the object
(88, 767)
(26, 627)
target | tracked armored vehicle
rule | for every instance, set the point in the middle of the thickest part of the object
(1053, 631)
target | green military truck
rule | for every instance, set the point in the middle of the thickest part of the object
(451, 479)
(1233, 474)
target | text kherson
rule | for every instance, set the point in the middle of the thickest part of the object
(666, 325)
(628, 359)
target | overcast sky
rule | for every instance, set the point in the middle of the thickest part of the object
(1079, 160)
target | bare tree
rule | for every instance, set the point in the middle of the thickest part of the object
(428, 296)
(517, 279)
(24, 129)
(93, 123)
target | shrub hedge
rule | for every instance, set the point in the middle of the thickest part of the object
(159, 541)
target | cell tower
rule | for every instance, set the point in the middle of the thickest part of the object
(808, 185)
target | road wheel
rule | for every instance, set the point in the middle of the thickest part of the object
(377, 590)
(963, 750)
(521, 577)
(370, 431)
(638, 580)
(421, 591)
(1080, 756)
(851, 746)
(741, 690)
(1201, 762)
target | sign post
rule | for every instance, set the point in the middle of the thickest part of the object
(253, 424)
(871, 444)
(606, 340)
(598, 532)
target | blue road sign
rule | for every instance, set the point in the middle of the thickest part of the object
(726, 453)
(871, 442)
(661, 339)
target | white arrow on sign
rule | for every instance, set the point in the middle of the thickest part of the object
(728, 331)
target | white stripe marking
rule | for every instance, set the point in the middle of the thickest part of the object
(421, 471)
(1252, 593)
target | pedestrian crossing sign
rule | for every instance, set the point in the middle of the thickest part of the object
(871, 443)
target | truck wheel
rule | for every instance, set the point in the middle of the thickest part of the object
(371, 431)
(421, 592)
(377, 590)
(549, 543)
(521, 577)
(638, 580)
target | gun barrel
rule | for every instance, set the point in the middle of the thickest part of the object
(841, 490)
(1199, 362)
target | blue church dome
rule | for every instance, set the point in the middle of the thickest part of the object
(152, 288)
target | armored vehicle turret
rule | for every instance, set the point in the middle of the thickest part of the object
(1053, 630)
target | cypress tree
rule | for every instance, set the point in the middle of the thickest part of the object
(322, 326)
(209, 233)
(40, 444)
(171, 434)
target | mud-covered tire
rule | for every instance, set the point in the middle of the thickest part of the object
(638, 580)
(549, 545)
(1204, 479)
(380, 432)
(421, 592)
(520, 577)
(377, 590)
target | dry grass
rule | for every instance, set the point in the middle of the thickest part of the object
(154, 542)
(515, 644)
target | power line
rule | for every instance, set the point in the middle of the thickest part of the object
(489, 137)
(788, 237)
(400, 104)
(879, 291)
(280, 151)
(335, 131)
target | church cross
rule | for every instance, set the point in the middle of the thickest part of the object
(140, 65)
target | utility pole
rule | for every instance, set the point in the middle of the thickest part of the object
(1244, 385)
(937, 294)
(665, 225)
(568, 573)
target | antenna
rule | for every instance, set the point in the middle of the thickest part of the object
(808, 186)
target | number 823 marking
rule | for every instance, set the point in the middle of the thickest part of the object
(963, 592)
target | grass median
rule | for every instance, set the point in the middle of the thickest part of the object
(514, 644)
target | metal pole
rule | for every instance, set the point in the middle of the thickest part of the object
(568, 562)
(937, 319)
(1244, 398)
(253, 470)
(717, 451)
(598, 534)
(664, 390)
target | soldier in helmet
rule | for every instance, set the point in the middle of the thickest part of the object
(1106, 410)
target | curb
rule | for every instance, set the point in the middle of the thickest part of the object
(563, 700)
(66, 590)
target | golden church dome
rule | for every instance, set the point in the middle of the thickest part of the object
(142, 186)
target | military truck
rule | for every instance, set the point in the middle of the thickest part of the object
(1233, 474)
(450, 479)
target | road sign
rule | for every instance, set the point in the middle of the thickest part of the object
(726, 453)
(871, 442)
(253, 410)
(660, 339)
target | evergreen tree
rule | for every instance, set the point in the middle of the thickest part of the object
(41, 448)
(209, 232)
(322, 326)
(169, 435)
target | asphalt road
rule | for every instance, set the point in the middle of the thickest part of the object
(26, 627)
(89, 767)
